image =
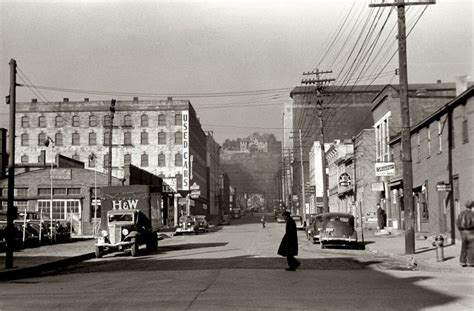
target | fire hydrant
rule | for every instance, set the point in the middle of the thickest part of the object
(439, 244)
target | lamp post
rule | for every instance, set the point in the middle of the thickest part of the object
(93, 157)
(46, 143)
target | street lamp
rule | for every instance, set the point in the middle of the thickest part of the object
(93, 157)
(46, 143)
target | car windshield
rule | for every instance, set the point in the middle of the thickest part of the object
(120, 217)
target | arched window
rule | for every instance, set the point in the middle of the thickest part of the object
(127, 138)
(127, 159)
(161, 119)
(127, 120)
(144, 138)
(92, 139)
(161, 138)
(41, 139)
(106, 160)
(107, 120)
(178, 138)
(76, 139)
(24, 159)
(92, 120)
(41, 121)
(178, 159)
(144, 160)
(144, 120)
(58, 139)
(178, 119)
(179, 181)
(59, 121)
(76, 121)
(24, 122)
(75, 157)
(161, 160)
(25, 140)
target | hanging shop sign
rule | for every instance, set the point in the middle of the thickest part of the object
(443, 187)
(384, 169)
(378, 186)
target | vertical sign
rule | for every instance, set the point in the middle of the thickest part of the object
(186, 157)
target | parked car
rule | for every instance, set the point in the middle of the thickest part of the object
(187, 224)
(299, 222)
(338, 229)
(201, 223)
(314, 227)
(224, 220)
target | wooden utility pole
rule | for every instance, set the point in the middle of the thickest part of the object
(112, 112)
(320, 84)
(11, 209)
(303, 194)
(405, 119)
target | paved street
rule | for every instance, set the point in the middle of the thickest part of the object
(236, 268)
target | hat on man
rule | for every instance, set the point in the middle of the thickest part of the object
(469, 204)
(286, 213)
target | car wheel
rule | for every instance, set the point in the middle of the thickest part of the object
(323, 246)
(98, 252)
(134, 248)
(313, 241)
(152, 244)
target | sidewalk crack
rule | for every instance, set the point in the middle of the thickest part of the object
(204, 290)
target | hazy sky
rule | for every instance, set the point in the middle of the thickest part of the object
(197, 47)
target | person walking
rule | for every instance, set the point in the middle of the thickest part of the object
(289, 243)
(380, 217)
(465, 224)
(262, 220)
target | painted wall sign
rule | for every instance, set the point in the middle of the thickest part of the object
(186, 156)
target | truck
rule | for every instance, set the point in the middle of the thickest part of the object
(130, 217)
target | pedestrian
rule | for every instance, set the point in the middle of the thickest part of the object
(380, 217)
(289, 244)
(465, 224)
(262, 220)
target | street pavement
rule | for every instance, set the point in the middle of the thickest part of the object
(236, 268)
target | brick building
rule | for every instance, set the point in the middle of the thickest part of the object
(339, 160)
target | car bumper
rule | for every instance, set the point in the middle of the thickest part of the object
(101, 242)
(185, 230)
(338, 241)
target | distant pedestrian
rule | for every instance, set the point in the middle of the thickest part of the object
(381, 218)
(262, 220)
(289, 244)
(465, 224)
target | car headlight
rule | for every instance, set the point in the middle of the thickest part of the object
(189, 224)
(124, 231)
(104, 233)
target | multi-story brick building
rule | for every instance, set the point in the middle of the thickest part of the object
(339, 159)
(163, 137)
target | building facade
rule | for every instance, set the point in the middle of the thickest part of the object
(213, 163)
(339, 159)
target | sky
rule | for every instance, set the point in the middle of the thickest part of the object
(236, 61)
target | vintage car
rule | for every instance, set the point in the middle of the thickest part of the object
(338, 229)
(224, 219)
(201, 223)
(126, 229)
(187, 224)
(299, 222)
(313, 229)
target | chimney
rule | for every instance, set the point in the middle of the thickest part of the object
(65, 99)
(135, 99)
(34, 100)
(461, 84)
(86, 99)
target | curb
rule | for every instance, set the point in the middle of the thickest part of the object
(27, 272)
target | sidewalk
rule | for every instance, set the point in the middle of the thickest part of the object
(32, 261)
(393, 244)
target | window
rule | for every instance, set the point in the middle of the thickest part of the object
(179, 181)
(440, 137)
(127, 159)
(41, 139)
(59, 191)
(465, 127)
(144, 138)
(178, 159)
(92, 139)
(144, 120)
(428, 138)
(74, 191)
(75, 157)
(106, 137)
(42, 121)
(25, 141)
(24, 159)
(92, 158)
(178, 119)
(127, 138)
(107, 120)
(178, 138)
(58, 139)
(76, 139)
(161, 138)
(106, 160)
(161, 119)
(92, 120)
(144, 160)
(24, 122)
(44, 191)
(59, 121)
(76, 122)
(127, 120)
(161, 160)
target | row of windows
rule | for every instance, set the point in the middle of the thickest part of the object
(76, 139)
(42, 191)
(127, 159)
(93, 121)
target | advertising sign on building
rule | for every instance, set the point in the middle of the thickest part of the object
(169, 184)
(186, 156)
(384, 169)
(344, 180)
(377, 186)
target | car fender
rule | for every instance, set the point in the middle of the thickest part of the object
(131, 235)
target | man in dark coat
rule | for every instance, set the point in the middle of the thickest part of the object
(289, 244)
(465, 224)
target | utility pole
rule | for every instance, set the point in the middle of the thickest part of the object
(112, 112)
(405, 119)
(11, 209)
(303, 194)
(320, 84)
